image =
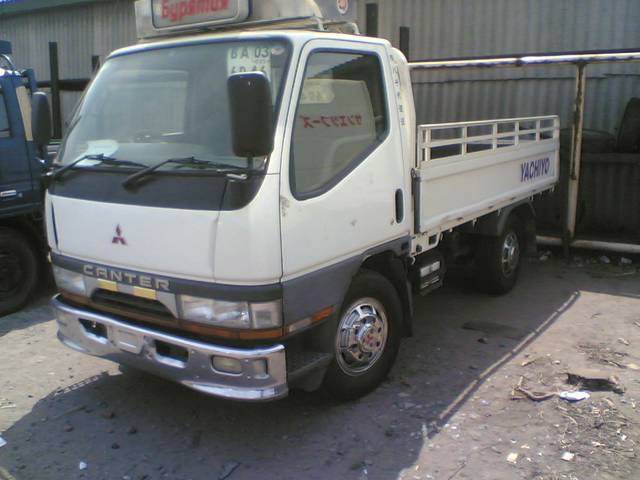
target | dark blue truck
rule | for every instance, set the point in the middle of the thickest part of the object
(24, 134)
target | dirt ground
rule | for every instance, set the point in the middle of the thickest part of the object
(453, 407)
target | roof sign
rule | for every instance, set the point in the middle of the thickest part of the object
(180, 13)
(156, 18)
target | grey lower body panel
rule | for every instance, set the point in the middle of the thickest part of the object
(264, 370)
(326, 287)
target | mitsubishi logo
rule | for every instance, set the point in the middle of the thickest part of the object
(119, 239)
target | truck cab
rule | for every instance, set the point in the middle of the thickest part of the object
(240, 210)
(21, 192)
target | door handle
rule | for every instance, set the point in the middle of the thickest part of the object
(399, 206)
(8, 194)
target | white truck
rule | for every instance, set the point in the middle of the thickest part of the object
(244, 203)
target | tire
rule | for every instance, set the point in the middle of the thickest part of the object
(373, 301)
(593, 141)
(18, 270)
(498, 259)
(629, 132)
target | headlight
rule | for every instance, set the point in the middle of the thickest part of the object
(69, 281)
(242, 315)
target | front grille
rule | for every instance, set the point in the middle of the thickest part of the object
(130, 303)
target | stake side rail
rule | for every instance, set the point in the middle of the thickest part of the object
(509, 132)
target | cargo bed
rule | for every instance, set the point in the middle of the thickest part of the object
(469, 169)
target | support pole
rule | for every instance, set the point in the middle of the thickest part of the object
(95, 63)
(576, 157)
(55, 90)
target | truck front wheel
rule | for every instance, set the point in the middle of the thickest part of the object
(367, 337)
(18, 270)
(498, 259)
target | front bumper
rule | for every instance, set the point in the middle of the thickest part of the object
(182, 360)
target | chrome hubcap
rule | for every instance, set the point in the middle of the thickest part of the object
(510, 254)
(362, 336)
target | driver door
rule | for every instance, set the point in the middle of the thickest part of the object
(342, 163)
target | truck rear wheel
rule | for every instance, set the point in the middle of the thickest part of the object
(367, 337)
(498, 259)
(18, 270)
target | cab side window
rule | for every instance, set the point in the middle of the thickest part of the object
(4, 118)
(341, 117)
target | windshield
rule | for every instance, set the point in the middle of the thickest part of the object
(154, 105)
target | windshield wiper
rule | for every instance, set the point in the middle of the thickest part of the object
(101, 157)
(219, 167)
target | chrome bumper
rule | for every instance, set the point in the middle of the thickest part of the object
(103, 336)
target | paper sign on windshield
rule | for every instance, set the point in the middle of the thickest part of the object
(173, 13)
(252, 58)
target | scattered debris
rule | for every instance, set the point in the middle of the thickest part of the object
(115, 445)
(512, 458)
(6, 403)
(609, 402)
(626, 261)
(457, 471)
(483, 340)
(535, 396)
(604, 259)
(68, 427)
(623, 341)
(595, 381)
(574, 396)
(132, 430)
(568, 456)
(3, 442)
(632, 366)
(82, 466)
(598, 428)
(546, 255)
(227, 469)
(529, 362)
(603, 354)
(108, 414)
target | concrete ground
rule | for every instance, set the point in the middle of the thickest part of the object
(453, 407)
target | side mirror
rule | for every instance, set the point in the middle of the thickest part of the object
(251, 112)
(40, 119)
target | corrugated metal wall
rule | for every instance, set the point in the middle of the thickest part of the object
(81, 32)
(467, 28)
(438, 29)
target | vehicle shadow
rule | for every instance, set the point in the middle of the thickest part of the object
(135, 426)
